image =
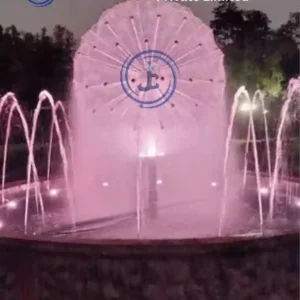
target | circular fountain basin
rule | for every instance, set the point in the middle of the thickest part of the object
(171, 222)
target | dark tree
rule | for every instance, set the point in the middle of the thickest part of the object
(287, 43)
(30, 63)
(245, 38)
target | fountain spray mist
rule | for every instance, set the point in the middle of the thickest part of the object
(237, 97)
(293, 87)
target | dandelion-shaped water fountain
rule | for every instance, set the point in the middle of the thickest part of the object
(120, 142)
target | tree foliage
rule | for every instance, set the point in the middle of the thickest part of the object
(255, 55)
(30, 63)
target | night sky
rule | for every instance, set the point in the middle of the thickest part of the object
(79, 15)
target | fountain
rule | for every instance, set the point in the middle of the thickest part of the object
(132, 172)
(130, 146)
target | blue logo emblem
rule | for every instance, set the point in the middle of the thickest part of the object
(40, 3)
(156, 63)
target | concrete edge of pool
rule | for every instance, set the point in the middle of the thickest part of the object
(226, 268)
(197, 244)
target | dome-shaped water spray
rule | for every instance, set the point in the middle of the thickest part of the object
(137, 53)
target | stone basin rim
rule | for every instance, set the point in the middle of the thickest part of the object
(135, 247)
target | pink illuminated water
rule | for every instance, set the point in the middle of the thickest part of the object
(178, 209)
(30, 140)
(116, 140)
(173, 169)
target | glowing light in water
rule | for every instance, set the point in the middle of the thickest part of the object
(264, 190)
(151, 150)
(12, 204)
(246, 106)
(53, 192)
